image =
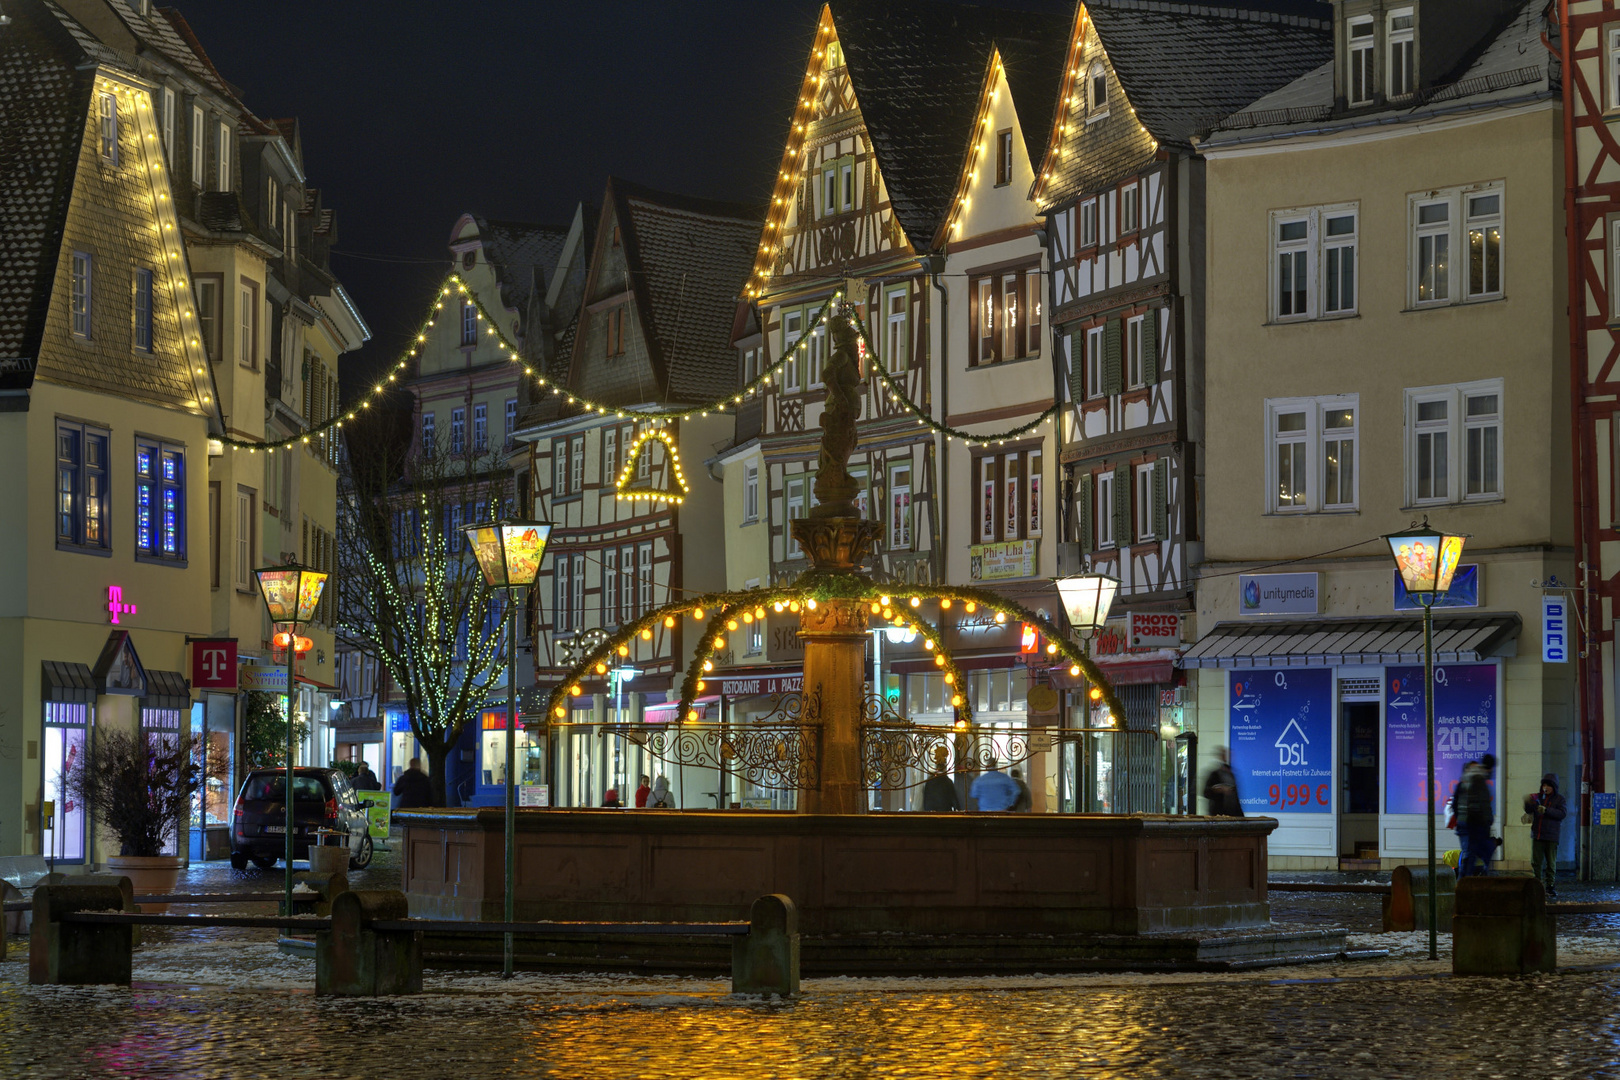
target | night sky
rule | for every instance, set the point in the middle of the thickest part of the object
(413, 113)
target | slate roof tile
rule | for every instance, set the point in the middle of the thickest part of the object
(516, 249)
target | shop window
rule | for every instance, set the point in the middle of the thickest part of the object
(81, 487)
(65, 732)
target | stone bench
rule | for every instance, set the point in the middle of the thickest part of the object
(353, 958)
(1406, 905)
(1502, 927)
(65, 953)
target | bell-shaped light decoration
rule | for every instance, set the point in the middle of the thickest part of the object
(509, 552)
(1426, 558)
(1086, 600)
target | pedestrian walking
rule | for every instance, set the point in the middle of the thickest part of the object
(643, 791)
(1220, 787)
(413, 788)
(1545, 811)
(365, 779)
(1457, 818)
(1480, 815)
(994, 789)
(1024, 803)
(939, 793)
(661, 799)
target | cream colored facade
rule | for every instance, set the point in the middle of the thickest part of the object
(1379, 361)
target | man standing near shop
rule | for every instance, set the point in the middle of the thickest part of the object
(1546, 811)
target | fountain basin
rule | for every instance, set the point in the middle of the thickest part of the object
(906, 873)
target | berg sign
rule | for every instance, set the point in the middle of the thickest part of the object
(1155, 629)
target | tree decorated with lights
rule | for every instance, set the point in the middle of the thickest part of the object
(837, 603)
(411, 594)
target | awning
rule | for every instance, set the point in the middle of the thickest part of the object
(1457, 639)
(65, 681)
(666, 711)
(166, 690)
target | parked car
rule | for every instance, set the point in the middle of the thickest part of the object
(322, 800)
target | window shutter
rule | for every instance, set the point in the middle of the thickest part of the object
(1161, 508)
(1112, 379)
(1083, 498)
(1122, 505)
(1077, 370)
(1150, 347)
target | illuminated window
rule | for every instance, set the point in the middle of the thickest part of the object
(81, 486)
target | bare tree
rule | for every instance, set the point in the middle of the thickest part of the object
(410, 592)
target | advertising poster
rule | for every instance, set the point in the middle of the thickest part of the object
(1282, 740)
(1464, 731)
(377, 813)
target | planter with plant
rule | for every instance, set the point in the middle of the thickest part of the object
(140, 789)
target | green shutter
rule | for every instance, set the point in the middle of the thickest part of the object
(1077, 371)
(1161, 508)
(1083, 500)
(1150, 347)
(1112, 382)
(1122, 506)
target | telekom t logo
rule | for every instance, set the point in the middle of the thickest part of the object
(214, 663)
(116, 605)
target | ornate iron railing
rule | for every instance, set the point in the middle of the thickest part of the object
(780, 751)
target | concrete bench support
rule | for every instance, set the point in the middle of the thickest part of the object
(1502, 927)
(353, 959)
(79, 954)
(326, 886)
(1406, 905)
(766, 961)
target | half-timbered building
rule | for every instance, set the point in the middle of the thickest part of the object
(654, 332)
(1123, 190)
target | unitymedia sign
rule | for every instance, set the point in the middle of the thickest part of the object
(1277, 594)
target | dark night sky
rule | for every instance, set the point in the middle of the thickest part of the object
(413, 113)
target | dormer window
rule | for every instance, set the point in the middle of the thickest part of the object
(1099, 87)
(1359, 86)
(1400, 52)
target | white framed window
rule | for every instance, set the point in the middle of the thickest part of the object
(83, 278)
(1470, 218)
(1612, 55)
(1004, 157)
(510, 432)
(846, 185)
(480, 431)
(1134, 375)
(576, 464)
(1103, 512)
(248, 338)
(458, 430)
(610, 586)
(829, 189)
(1312, 453)
(1359, 70)
(1142, 501)
(1097, 86)
(168, 126)
(816, 355)
(644, 458)
(1033, 459)
(1130, 208)
(559, 468)
(792, 331)
(578, 593)
(987, 499)
(627, 584)
(223, 175)
(900, 507)
(750, 493)
(610, 455)
(1314, 263)
(107, 106)
(1088, 223)
(243, 577)
(1012, 512)
(1096, 346)
(1398, 47)
(469, 323)
(1454, 442)
(898, 302)
(644, 570)
(199, 153)
(793, 506)
(565, 592)
(428, 437)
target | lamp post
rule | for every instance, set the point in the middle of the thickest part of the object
(1086, 600)
(509, 554)
(290, 594)
(1426, 559)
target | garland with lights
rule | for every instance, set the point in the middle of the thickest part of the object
(621, 488)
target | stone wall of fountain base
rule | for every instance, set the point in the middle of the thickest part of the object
(923, 874)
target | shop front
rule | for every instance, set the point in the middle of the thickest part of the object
(489, 788)
(401, 746)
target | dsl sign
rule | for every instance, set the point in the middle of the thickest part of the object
(213, 664)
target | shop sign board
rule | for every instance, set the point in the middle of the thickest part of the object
(271, 679)
(1277, 594)
(213, 664)
(534, 794)
(1554, 629)
(376, 814)
(998, 562)
(1464, 591)
(1464, 731)
(782, 641)
(1155, 629)
(1603, 807)
(733, 686)
(1281, 724)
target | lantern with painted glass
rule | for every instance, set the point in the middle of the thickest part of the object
(509, 553)
(1426, 558)
(1086, 600)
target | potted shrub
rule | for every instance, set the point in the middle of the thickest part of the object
(140, 788)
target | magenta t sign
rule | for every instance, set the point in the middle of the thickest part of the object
(213, 664)
(116, 605)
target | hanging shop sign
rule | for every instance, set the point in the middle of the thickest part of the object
(1155, 629)
(271, 680)
(1464, 591)
(1464, 731)
(213, 664)
(1554, 629)
(1281, 725)
(1277, 594)
(998, 562)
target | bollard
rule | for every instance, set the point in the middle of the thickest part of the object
(354, 960)
(326, 887)
(766, 961)
(1406, 905)
(78, 954)
(1502, 927)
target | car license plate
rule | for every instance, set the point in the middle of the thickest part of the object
(273, 828)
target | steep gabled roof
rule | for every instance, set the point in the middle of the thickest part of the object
(516, 250)
(688, 261)
(44, 98)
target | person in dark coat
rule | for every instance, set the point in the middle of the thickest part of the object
(413, 788)
(939, 794)
(1220, 787)
(1458, 821)
(1479, 814)
(366, 780)
(1025, 802)
(1547, 810)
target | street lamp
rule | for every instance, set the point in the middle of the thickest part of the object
(1426, 559)
(509, 553)
(1086, 600)
(290, 594)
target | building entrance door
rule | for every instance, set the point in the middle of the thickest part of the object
(1358, 778)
